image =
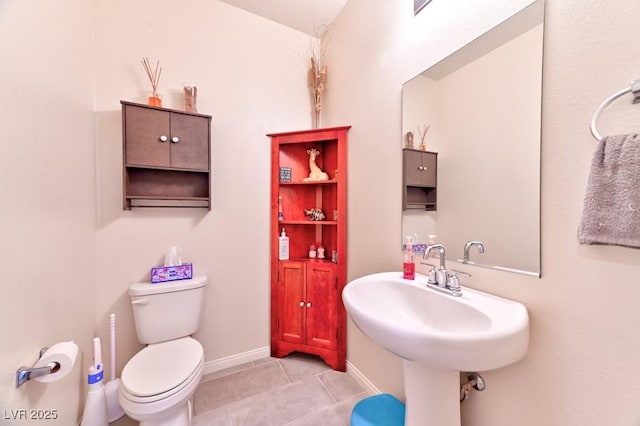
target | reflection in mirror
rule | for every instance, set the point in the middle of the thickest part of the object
(483, 105)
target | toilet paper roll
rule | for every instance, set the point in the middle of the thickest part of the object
(65, 354)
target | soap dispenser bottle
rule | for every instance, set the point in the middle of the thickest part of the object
(283, 246)
(408, 265)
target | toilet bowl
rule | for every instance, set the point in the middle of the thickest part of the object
(157, 384)
(159, 381)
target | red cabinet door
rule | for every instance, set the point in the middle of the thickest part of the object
(321, 305)
(291, 303)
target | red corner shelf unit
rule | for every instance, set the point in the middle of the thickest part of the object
(307, 314)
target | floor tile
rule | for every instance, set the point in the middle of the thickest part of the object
(283, 405)
(340, 385)
(217, 417)
(298, 390)
(333, 415)
(301, 366)
(239, 385)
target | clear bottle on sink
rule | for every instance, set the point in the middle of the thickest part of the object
(408, 265)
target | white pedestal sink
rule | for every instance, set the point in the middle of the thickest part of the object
(437, 335)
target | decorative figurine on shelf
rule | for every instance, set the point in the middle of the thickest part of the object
(408, 140)
(320, 252)
(312, 251)
(315, 172)
(190, 97)
(315, 214)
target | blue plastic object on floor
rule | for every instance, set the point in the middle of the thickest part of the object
(378, 410)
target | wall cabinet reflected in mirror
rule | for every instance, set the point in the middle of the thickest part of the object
(420, 175)
(483, 105)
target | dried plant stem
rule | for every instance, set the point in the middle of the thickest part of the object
(423, 133)
(317, 74)
(154, 76)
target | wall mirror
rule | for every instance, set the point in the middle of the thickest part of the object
(483, 106)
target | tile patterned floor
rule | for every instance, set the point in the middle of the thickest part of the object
(298, 390)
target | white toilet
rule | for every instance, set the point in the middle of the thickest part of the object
(158, 382)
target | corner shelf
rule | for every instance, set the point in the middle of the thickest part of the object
(307, 314)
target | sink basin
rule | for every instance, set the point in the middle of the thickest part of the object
(475, 332)
(438, 335)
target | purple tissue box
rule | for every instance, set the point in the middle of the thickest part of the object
(161, 274)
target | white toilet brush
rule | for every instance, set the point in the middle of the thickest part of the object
(95, 407)
(114, 409)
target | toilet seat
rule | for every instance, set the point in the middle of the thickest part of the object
(162, 369)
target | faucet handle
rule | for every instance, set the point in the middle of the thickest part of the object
(454, 281)
(432, 273)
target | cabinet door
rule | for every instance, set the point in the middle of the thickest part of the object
(143, 130)
(429, 167)
(412, 167)
(419, 168)
(291, 302)
(322, 305)
(192, 149)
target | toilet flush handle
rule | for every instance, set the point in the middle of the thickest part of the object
(140, 302)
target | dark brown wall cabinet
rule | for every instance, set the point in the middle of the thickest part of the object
(419, 183)
(167, 161)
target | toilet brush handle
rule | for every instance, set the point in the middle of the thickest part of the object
(112, 346)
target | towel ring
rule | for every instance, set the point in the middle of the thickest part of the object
(634, 88)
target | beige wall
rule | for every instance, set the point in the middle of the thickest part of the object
(252, 80)
(47, 198)
(585, 347)
(70, 252)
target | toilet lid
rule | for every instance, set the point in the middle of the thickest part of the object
(161, 367)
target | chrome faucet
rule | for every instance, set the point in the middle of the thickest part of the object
(470, 244)
(441, 279)
(438, 277)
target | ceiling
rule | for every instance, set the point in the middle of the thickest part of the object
(302, 15)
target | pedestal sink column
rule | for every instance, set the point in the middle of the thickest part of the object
(432, 395)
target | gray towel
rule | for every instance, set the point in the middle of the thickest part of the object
(611, 212)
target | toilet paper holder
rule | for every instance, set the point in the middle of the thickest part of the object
(24, 374)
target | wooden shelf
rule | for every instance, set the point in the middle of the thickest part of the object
(307, 314)
(317, 182)
(308, 222)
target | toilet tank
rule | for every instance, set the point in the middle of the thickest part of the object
(167, 311)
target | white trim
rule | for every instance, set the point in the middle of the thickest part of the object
(237, 359)
(362, 380)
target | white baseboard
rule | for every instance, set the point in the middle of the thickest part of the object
(234, 360)
(362, 380)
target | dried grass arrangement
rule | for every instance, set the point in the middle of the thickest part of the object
(423, 135)
(154, 78)
(317, 75)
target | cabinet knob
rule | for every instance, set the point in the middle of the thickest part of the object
(302, 304)
(175, 139)
(163, 138)
(308, 304)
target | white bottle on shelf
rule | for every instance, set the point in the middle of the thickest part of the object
(283, 246)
